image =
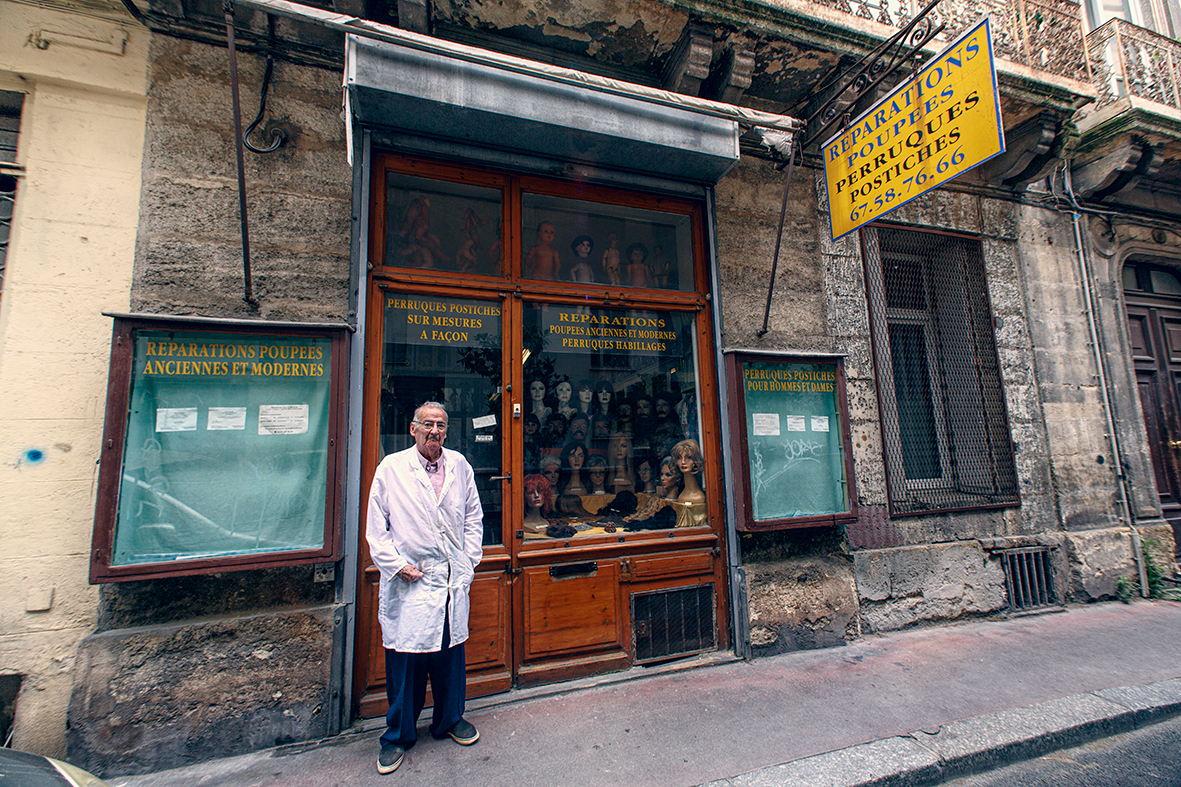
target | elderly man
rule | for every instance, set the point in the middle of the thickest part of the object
(425, 527)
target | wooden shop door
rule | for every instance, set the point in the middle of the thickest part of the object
(1153, 296)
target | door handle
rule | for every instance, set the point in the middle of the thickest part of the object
(508, 478)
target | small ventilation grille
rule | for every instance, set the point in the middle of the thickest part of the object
(674, 622)
(1029, 578)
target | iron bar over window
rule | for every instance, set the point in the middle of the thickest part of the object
(946, 432)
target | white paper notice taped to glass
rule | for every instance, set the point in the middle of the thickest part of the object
(765, 425)
(795, 423)
(483, 420)
(226, 419)
(283, 419)
(176, 419)
(820, 423)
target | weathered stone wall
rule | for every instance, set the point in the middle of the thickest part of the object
(155, 689)
(188, 255)
(941, 566)
(155, 698)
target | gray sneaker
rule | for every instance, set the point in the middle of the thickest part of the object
(390, 758)
(464, 733)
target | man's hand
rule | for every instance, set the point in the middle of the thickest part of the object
(409, 574)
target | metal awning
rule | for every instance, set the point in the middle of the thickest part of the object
(417, 84)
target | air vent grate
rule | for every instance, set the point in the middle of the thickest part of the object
(673, 622)
(1029, 578)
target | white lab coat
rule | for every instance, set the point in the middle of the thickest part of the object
(407, 524)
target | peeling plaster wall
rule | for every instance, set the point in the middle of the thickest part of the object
(69, 260)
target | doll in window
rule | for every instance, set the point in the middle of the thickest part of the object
(423, 249)
(638, 272)
(611, 260)
(581, 270)
(539, 504)
(690, 462)
(571, 478)
(621, 477)
(537, 397)
(542, 261)
(565, 392)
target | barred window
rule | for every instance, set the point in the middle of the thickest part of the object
(944, 423)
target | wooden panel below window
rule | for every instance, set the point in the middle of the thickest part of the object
(566, 614)
(675, 564)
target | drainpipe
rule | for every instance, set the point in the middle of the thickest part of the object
(1089, 301)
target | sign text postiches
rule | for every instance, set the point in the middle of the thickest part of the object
(936, 125)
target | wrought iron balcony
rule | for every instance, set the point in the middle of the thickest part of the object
(1132, 61)
(1046, 35)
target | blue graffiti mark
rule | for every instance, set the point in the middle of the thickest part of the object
(33, 456)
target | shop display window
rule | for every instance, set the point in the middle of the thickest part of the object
(614, 245)
(221, 448)
(435, 225)
(611, 431)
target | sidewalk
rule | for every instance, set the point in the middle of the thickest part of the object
(903, 708)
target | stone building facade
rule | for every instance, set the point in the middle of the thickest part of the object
(183, 666)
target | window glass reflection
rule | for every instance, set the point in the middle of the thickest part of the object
(435, 225)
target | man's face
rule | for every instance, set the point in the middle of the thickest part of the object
(578, 429)
(428, 431)
(663, 408)
(643, 408)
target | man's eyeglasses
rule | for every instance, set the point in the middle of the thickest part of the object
(429, 425)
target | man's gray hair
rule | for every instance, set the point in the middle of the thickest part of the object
(424, 405)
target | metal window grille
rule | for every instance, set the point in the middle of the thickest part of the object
(946, 431)
(1029, 578)
(673, 622)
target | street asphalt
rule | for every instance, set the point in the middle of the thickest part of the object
(907, 708)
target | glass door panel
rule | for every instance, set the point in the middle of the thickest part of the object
(447, 350)
(610, 431)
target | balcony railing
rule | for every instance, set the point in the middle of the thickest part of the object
(1046, 35)
(1131, 61)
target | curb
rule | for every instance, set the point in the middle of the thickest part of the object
(975, 745)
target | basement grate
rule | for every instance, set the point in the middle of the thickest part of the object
(1029, 578)
(673, 622)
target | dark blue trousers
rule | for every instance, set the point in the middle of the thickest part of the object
(405, 688)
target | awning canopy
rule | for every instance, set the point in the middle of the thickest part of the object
(440, 97)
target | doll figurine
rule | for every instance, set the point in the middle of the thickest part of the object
(611, 259)
(542, 261)
(564, 391)
(571, 479)
(586, 398)
(596, 471)
(539, 503)
(690, 460)
(659, 266)
(638, 274)
(466, 256)
(423, 248)
(581, 270)
(537, 394)
(621, 476)
(671, 481)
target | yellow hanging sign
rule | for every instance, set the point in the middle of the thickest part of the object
(938, 124)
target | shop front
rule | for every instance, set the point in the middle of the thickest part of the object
(565, 327)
